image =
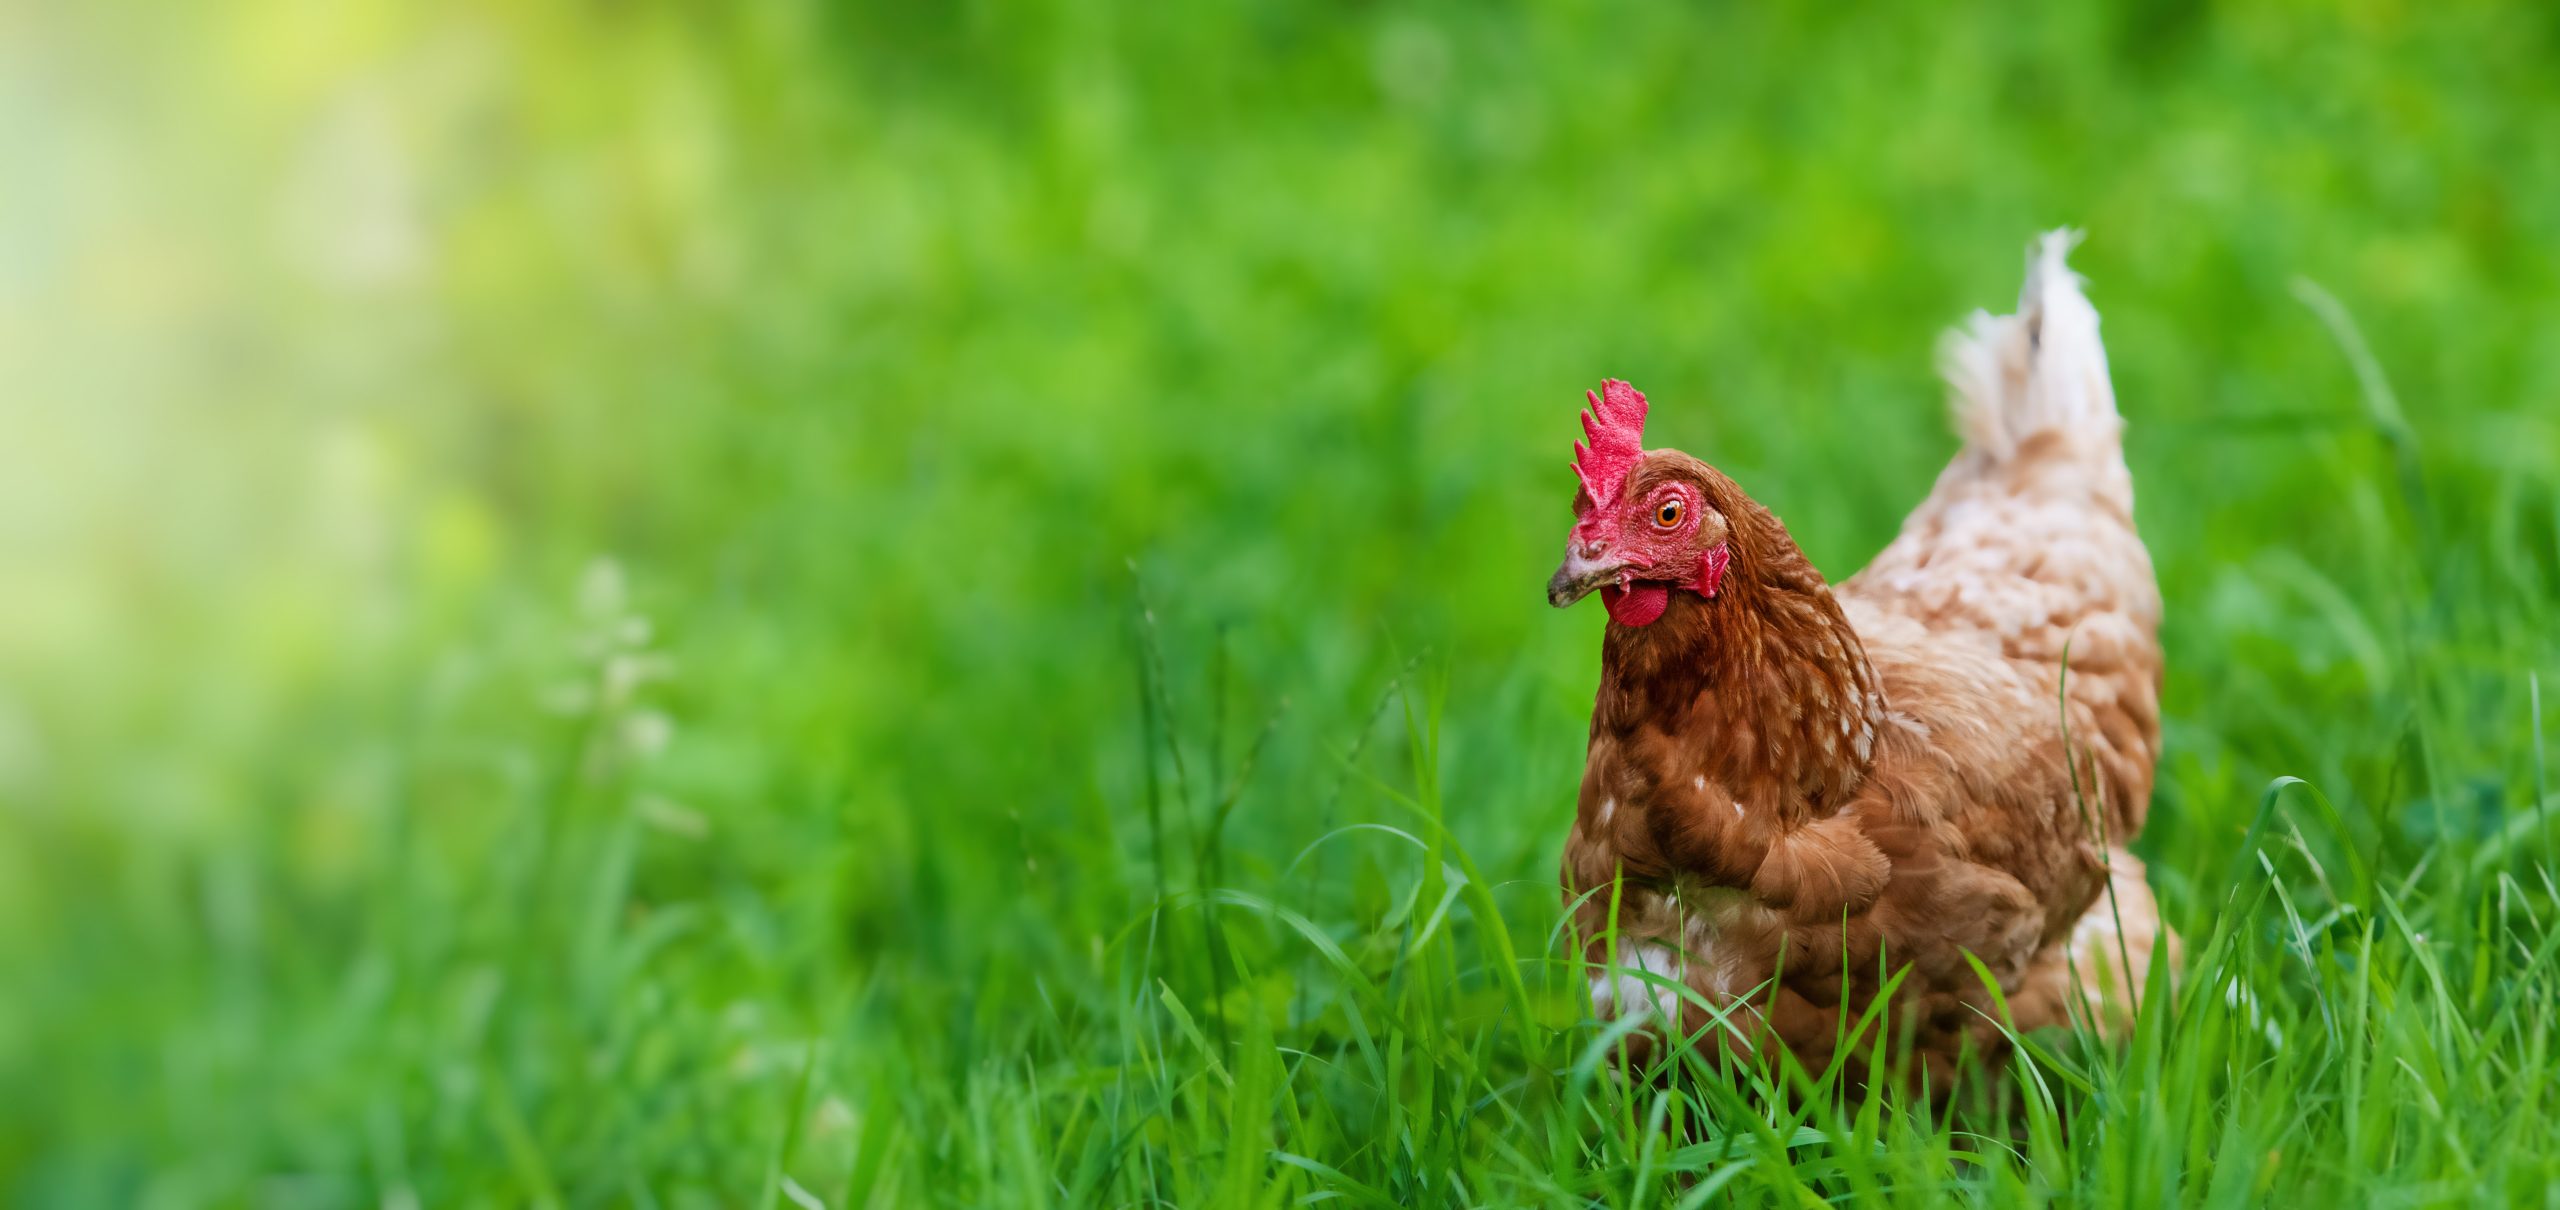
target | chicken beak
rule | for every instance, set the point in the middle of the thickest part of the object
(1580, 576)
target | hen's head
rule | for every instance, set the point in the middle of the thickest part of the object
(1645, 524)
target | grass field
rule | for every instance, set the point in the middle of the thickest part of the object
(941, 604)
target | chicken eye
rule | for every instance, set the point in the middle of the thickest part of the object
(1667, 513)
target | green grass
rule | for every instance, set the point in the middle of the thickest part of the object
(940, 604)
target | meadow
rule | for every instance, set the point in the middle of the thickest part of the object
(941, 605)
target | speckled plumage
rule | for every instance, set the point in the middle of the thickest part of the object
(1809, 789)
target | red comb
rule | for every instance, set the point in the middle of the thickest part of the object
(1615, 424)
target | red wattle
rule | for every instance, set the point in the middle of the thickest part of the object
(1641, 605)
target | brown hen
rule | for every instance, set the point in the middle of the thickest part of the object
(1803, 794)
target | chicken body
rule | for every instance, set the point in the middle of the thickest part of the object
(1795, 795)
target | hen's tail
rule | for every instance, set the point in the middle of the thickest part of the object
(2042, 369)
(2028, 534)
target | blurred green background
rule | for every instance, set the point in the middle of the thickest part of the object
(596, 596)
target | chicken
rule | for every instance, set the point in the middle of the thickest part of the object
(1797, 795)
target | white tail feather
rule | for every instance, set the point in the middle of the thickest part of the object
(2012, 376)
